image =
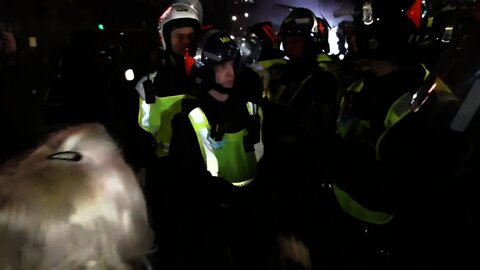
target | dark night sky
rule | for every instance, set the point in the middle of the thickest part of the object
(135, 10)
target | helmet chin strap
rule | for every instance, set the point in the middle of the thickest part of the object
(222, 97)
(221, 89)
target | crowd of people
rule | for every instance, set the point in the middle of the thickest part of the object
(221, 157)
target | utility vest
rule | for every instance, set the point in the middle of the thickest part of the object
(347, 126)
(323, 61)
(264, 69)
(156, 119)
(231, 161)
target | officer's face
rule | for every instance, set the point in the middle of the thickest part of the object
(224, 74)
(180, 38)
(294, 46)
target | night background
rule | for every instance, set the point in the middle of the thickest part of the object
(51, 22)
(47, 24)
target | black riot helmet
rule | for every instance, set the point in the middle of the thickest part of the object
(324, 28)
(266, 35)
(389, 30)
(457, 72)
(303, 22)
(214, 47)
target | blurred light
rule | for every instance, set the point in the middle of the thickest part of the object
(333, 40)
(122, 33)
(129, 75)
(100, 26)
(232, 36)
(241, 28)
(246, 14)
(341, 56)
(32, 42)
(234, 18)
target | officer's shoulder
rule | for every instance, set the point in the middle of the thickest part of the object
(321, 75)
(188, 104)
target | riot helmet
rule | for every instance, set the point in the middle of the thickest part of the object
(389, 30)
(457, 72)
(267, 37)
(178, 15)
(302, 22)
(324, 28)
(213, 48)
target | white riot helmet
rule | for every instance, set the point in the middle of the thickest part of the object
(176, 16)
(195, 4)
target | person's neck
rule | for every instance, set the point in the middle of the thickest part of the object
(222, 97)
(381, 68)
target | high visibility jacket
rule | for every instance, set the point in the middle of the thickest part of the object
(351, 126)
(263, 69)
(231, 161)
(323, 60)
(156, 118)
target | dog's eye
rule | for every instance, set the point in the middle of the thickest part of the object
(66, 155)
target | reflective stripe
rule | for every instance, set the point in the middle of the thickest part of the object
(468, 109)
(398, 110)
(299, 88)
(202, 127)
(356, 210)
(156, 119)
(269, 63)
(344, 124)
(253, 109)
(139, 87)
(356, 86)
(144, 115)
(262, 68)
(322, 57)
(243, 183)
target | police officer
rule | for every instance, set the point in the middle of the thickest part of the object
(264, 55)
(300, 112)
(163, 93)
(382, 182)
(301, 107)
(215, 149)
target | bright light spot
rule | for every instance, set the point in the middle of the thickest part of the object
(241, 28)
(129, 75)
(432, 88)
(333, 40)
(234, 18)
(246, 14)
(122, 33)
(232, 36)
(32, 42)
(100, 26)
(341, 56)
